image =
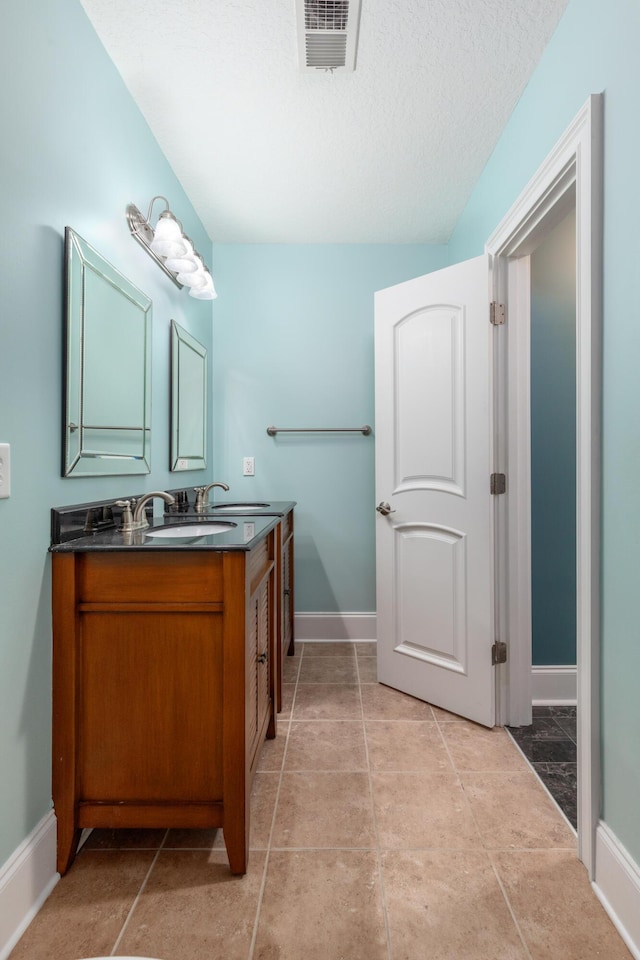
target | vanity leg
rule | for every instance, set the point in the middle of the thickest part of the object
(68, 840)
(236, 839)
(271, 729)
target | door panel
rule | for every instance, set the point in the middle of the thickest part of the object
(428, 350)
(433, 443)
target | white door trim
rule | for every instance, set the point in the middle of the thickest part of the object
(573, 169)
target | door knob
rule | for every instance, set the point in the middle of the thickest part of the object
(384, 508)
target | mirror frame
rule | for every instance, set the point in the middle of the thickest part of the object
(78, 459)
(184, 345)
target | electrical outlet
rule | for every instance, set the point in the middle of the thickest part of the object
(181, 464)
(5, 471)
(248, 466)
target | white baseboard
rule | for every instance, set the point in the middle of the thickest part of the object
(335, 626)
(617, 886)
(26, 880)
(554, 685)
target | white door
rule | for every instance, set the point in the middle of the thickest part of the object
(433, 466)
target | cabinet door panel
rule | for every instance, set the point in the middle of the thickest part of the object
(151, 706)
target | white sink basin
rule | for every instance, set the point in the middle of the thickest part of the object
(236, 507)
(190, 530)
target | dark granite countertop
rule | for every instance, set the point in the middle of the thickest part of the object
(244, 534)
(96, 527)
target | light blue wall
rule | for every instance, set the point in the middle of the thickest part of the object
(553, 446)
(74, 151)
(294, 347)
(595, 49)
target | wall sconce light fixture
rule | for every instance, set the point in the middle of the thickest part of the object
(172, 250)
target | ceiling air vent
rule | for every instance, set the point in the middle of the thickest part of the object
(327, 34)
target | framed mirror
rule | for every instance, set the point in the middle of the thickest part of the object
(188, 401)
(107, 375)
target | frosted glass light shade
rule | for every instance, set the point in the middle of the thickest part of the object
(207, 292)
(168, 248)
(168, 240)
(185, 264)
(197, 278)
(168, 227)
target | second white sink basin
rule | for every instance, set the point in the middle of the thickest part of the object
(190, 529)
(237, 507)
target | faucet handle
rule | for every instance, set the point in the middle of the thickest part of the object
(127, 515)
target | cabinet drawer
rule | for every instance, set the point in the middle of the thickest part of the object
(185, 577)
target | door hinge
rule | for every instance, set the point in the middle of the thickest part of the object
(498, 652)
(496, 313)
(498, 483)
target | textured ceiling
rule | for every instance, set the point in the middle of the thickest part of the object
(266, 152)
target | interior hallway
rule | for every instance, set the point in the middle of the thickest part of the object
(382, 829)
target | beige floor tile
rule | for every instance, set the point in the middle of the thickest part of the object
(447, 906)
(513, 810)
(337, 648)
(321, 905)
(288, 693)
(290, 667)
(327, 701)
(263, 801)
(272, 752)
(324, 810)
(473, 747)
(559, 915)
(85, 913)
(384, 703)
(100, 839)
(326, 745)
(193, 908)
(406, 745)
(368, 669)
(366, 648)
(423, 810)
(328, 670)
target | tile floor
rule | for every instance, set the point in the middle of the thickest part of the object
(382, 829)
(549, 744)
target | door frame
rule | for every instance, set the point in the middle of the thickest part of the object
(571, 173)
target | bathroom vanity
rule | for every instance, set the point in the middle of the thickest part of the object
(166, 661)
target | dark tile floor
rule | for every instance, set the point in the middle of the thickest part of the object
(550, 746)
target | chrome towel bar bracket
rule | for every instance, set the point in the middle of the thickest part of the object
(365, 431)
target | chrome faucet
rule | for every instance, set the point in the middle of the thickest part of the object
(202, 494)
(138, 520)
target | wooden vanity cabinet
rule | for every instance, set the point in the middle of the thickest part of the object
(164, 688)
(285, 640)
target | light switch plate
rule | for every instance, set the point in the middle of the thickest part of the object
(5, 471)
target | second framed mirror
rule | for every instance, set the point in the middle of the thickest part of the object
(188, 401)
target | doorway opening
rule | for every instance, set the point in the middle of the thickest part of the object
(570, 178)
(549, 742)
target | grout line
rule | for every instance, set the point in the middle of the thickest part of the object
(138, 896)
(383, 896)
(509, 907)
(288, 722)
